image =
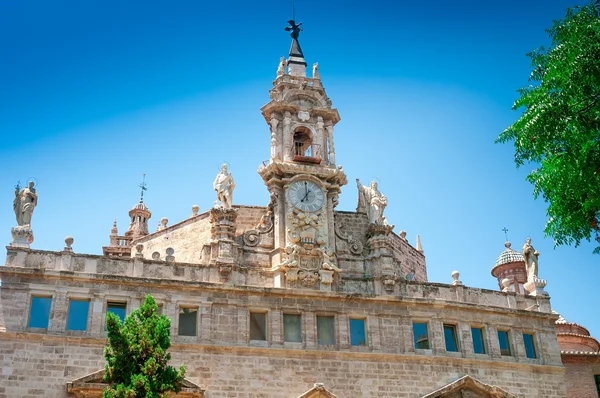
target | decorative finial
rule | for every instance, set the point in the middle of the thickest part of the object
(68, 243)
(419, 247)
(294, 28)
(505, 233)
(455, 281)
(143, 186)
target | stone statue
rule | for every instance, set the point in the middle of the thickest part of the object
(530, 255)
(281, 67)
(224, 186)
(25, 202)
(316, 74)
(329, 260)
(292, 260)
(373, 201)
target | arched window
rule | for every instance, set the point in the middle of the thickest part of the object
(304, 148)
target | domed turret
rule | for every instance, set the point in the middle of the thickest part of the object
(510, 268)
(139, 215)
(574, 338)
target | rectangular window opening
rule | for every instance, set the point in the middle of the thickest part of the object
(78, 314)
(450, 338)
(39, 312)
(258, 326)
(119, 309)
(292, 328)
(478, 342)
(529, 345)
(188, 320)
(421, 336)
(325, 330)
(358, 332)
(504, 343)
(597, 379)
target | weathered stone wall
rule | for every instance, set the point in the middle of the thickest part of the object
(40, 366)
(222, 356)
(351, 233)
(579, 375)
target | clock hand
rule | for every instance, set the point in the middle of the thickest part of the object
(305, 190)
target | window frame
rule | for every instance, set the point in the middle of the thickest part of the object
(365, 331)
(454, 328)
(333, 332)
(510, 350)
(283, 315)
(414, 339)
(196, 326)
(266, 323)
(87, 319)
(533, 345)
(32, 297)
(484, 347)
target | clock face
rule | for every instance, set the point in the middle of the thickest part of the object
(306, 195)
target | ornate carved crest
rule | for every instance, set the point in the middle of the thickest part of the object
(354, 245)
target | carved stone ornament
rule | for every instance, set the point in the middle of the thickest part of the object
(303, 115)
(225, 272)
(22, 236)
(354, 245)
(306, 228)
(308, 279)
(388, 282)
(252, 237)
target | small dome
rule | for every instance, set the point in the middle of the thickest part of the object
(509, 256)
(140, 206)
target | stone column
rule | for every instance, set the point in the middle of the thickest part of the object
(275, 139)
(223, 233)
(321, 140)
(287, 136)
(330, 147)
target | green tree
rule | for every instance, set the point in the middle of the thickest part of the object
(136, 355)
(559, 129)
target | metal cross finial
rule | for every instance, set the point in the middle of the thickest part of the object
(18, 186)
(143, 186)
(505, 233)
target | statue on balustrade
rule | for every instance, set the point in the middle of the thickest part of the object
(373, 201)
(224, 185)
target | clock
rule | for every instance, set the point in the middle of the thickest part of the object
(306, 195)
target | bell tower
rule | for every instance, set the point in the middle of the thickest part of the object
(301, 173)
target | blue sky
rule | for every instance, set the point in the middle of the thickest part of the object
(97, 93)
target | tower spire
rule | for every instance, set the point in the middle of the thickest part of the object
(296, 62)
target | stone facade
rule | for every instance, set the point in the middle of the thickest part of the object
(294, 299)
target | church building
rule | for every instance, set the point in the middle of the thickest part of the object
(293, 299)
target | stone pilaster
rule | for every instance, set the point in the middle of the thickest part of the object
(223, 233)
(381, 258)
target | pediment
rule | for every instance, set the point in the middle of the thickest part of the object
(318, 391)
(92, 386)
(468, 387)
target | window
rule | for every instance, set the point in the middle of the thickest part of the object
(119, 309)
(450, 338)
(597, 379)
(39, 312)
(78, 314)
(420, 335)
(258, 326)
(188, 319)
(325, 330)
(529, 345)
(358, 332)
(478, 343)
(504, 343)
(292, 328)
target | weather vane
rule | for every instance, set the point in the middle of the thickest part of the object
(143, 186)
(505, 233)
(294, 28)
